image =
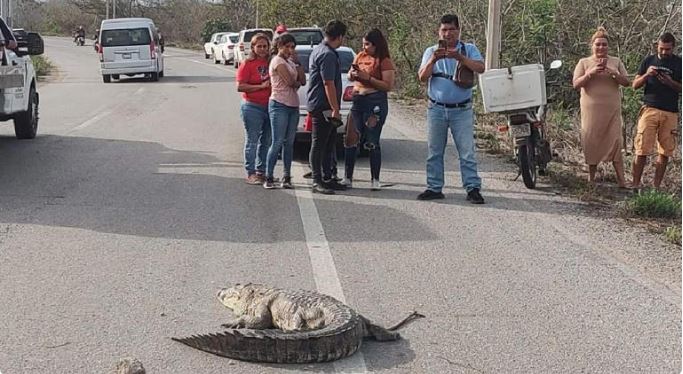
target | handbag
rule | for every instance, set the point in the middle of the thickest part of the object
(464, 76)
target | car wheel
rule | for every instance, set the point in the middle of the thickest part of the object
(154, 76)
(26, 122)
(236, 64)
(115, 76)
(106, 78)
(207, 56)
(161, 74)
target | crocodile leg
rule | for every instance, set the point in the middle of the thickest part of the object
(261, 320)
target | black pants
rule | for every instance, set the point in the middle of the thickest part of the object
(323, 143)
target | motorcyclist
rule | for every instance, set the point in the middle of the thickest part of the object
(162, 42)
(96, 39)
(79, 33)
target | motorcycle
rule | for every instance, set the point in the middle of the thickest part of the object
(80, 40)
(522, 100)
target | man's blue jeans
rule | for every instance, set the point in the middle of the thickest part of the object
(283, 122)
(256, 137)
(460, 121)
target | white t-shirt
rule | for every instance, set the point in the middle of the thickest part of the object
(280, 90)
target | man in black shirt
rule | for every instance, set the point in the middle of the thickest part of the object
(658, 119)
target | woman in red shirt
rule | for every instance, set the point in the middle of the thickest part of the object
(253, 82)
(373, 74)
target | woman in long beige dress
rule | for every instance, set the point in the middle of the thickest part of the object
(599, 77)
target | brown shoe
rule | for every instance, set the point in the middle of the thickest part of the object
(254, 179)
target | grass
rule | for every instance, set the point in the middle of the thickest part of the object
(673, 234)
(42, 65)
(654, 204)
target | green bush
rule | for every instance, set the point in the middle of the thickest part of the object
(673, 234)
(42, 65)
(213, 26)
(654, 204)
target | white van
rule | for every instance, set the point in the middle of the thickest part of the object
(130, 46)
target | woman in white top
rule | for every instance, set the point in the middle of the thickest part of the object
(286, 75)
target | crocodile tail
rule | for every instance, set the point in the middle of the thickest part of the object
(411, 318)
(275, 346)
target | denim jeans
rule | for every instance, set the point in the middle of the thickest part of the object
(283, 122)
(460, 121)
(323, 150)
(256, 137)
(360, 112)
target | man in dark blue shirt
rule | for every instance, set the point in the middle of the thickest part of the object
(323, 104)
(660, 74)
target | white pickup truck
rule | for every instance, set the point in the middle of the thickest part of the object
(18, 91)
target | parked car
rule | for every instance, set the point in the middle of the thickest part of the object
(244, 43)
(225, 49)
(307, 35)
(130, 46)
(208, 46)
(346, 56)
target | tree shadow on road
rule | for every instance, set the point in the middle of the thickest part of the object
(147, 189)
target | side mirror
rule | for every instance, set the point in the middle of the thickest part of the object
(556, 64)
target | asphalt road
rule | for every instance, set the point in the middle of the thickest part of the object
(120, 221)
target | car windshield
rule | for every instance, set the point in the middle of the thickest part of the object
(307, 37)
(345, 59)
(234, 38)
(250, 34)
(122, 37)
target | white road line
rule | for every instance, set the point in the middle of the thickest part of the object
(219, 67)
(99, 116)
(89, 122)
(324, 271)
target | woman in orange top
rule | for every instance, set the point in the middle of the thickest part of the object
(373, 73)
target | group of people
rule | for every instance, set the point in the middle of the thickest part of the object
(269, 80)
(599, 77)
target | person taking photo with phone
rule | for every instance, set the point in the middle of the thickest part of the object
(450, 109)
(599, 77)
(373, 73)
(660, 74)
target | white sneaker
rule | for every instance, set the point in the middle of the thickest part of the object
(375, 186)
(346, 182)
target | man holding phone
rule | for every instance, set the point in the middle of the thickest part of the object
(450, 108)
(324, 100)
(660, 74)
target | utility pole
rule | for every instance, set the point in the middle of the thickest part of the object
(113, 9)
(106, 6)
(493, 33)
(257, 14)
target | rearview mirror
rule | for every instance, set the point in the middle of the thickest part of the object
(556, 64)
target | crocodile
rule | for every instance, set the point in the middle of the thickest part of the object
(290, 327)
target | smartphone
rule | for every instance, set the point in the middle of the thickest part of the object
(443, 44)
(355, 67)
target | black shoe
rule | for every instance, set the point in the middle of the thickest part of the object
(334, 185)
(475, 197)
(320, 188)
(286, 183)
(308, 175)
(269, 183)
(430, 195)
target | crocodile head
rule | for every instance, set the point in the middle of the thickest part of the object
(237, 297)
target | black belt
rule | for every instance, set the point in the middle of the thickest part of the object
(454, 105)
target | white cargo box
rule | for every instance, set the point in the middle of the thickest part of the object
(505, 90)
